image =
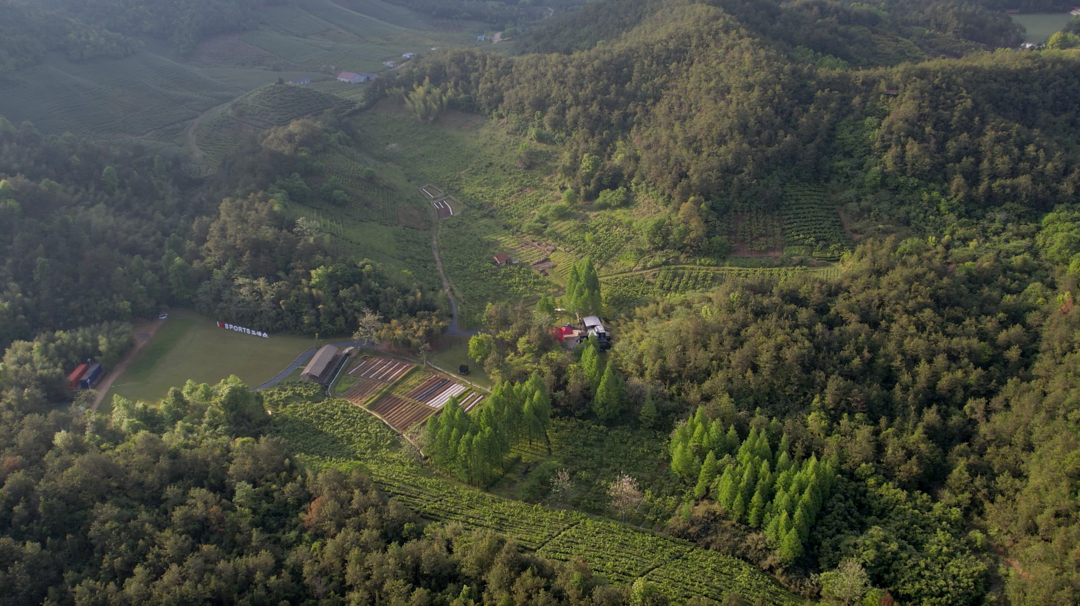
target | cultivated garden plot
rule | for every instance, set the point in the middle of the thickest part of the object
(400, 413)
(471, 401)
(335, 433)
(436, 391)
(380, 369)
(361, 390)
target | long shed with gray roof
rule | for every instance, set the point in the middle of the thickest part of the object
(322, 364)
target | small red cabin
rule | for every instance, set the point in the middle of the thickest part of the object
(73, 378)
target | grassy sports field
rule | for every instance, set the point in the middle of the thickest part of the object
(1041, 27)
(190, 346)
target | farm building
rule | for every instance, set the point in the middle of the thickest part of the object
(355, 77)
(73, 378)
(543, 266)
(591, 326)
(89, 375)
(569, 336)
(322, 365)
(390, 64)
(300, 82)
(409, 55)
(502, 259)
(481, 38)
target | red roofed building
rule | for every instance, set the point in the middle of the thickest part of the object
(73, 378)
(502, 259)
(567, 335)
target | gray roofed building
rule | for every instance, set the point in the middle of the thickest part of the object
(321, 364)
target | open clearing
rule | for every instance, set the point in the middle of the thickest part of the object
(190, 346)
(1040, 27)
(451, 353)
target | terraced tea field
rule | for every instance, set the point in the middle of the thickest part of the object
(334, 432)
(103, 99)
(360, 25)
(292, 20)
(218, 134)
(624, 291)
(280, 104)
(811, 221)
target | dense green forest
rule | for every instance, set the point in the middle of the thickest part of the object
(91, 235)
(28, 32)
(189, 502)
(893, 423)
(697, 103)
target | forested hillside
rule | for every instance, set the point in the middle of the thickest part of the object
(191, 503)
(28, 32)
(90, 235)
(697, 103)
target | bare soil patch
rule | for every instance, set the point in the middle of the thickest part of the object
(399, 413)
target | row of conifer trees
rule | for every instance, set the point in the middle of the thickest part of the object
(765, 488)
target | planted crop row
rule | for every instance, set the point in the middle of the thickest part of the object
(334, 432)
(810, 220)
(279, 104)
(519, 250)
(624, 292)
(757, 231)
(717, 577)
(476, 279)
(619, 552)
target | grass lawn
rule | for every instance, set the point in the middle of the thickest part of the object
(190, 346)
(454, 352)
(1041, 27)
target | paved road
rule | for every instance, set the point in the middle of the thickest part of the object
(301, 359)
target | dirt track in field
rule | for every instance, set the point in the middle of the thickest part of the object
(106, 383)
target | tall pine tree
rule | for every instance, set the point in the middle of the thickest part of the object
(610, 399)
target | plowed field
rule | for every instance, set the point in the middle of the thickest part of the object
(400, 413)
(381, 369)
(361, 390)
(471, 401)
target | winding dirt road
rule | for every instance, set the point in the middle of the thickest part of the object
(147, 333)
(453, 330)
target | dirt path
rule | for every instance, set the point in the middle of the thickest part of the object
(142, 337)
(497, 39)
(453, 330)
